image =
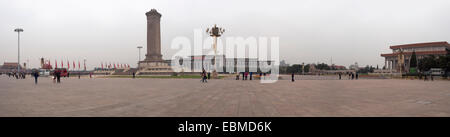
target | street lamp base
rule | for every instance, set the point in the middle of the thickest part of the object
(215, 75)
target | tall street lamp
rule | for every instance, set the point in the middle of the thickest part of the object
(139, 47)
(84, 60)
(215, 32)
(18, 30)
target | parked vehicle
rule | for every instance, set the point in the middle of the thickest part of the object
(64, 71)
(44, 72)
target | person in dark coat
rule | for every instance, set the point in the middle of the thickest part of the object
(209, 75)
(134, 74)
(293, 77)
(246, 75)
(339, 76)
(204, 76)
(36, 75)
(58, 76)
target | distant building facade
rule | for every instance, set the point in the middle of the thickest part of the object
(9, 67)
(400, 57)
(226, 65)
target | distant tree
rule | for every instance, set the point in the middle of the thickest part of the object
(296, 68)
(444, 63)
(323, 66)
(427, 63)
(307, 66)
(413, 60)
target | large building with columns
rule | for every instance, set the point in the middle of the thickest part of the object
(399, 59)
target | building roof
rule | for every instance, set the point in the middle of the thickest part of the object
(9, 65)
(417, 53)
(428, 44)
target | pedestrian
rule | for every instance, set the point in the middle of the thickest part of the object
(293, 77)
(90, 74)
(58, 76)
(264, 75)
(209, 75)
(79, 75)
(251, 75)
(339, 76)
(260, 75)
(246, 75)
(349, 76)
(425, 77)
(36, 75)
(357, 75)
(353, 76)
(204, 76)
(243, 75)
(54, 76)
(237, 76)
(431, 77)
(134, 74)
(68, 74)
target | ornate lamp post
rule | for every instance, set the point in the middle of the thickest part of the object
(215, 32)
(18, 30)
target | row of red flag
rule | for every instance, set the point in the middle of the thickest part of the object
(109, 66)
(103, 65)
(68, 64)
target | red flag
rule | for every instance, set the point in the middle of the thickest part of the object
(102, 65)
(62, 64)
(79, 66)
(114, 65)
(56, 64)
(128, 65)
(68, 65)
(73, 65)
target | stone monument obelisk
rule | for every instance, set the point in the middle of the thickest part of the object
(153, 36)
(153, 61)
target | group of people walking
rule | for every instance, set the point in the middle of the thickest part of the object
(20, 75)
(249, 76)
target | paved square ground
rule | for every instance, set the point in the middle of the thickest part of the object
(226, 97)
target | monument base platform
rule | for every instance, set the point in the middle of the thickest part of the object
(148, 67)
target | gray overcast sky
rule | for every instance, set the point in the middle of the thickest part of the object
(310, 31)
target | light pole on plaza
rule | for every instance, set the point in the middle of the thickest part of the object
(84, 63)
(215, 32)
(18, 30)
(139, 47)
